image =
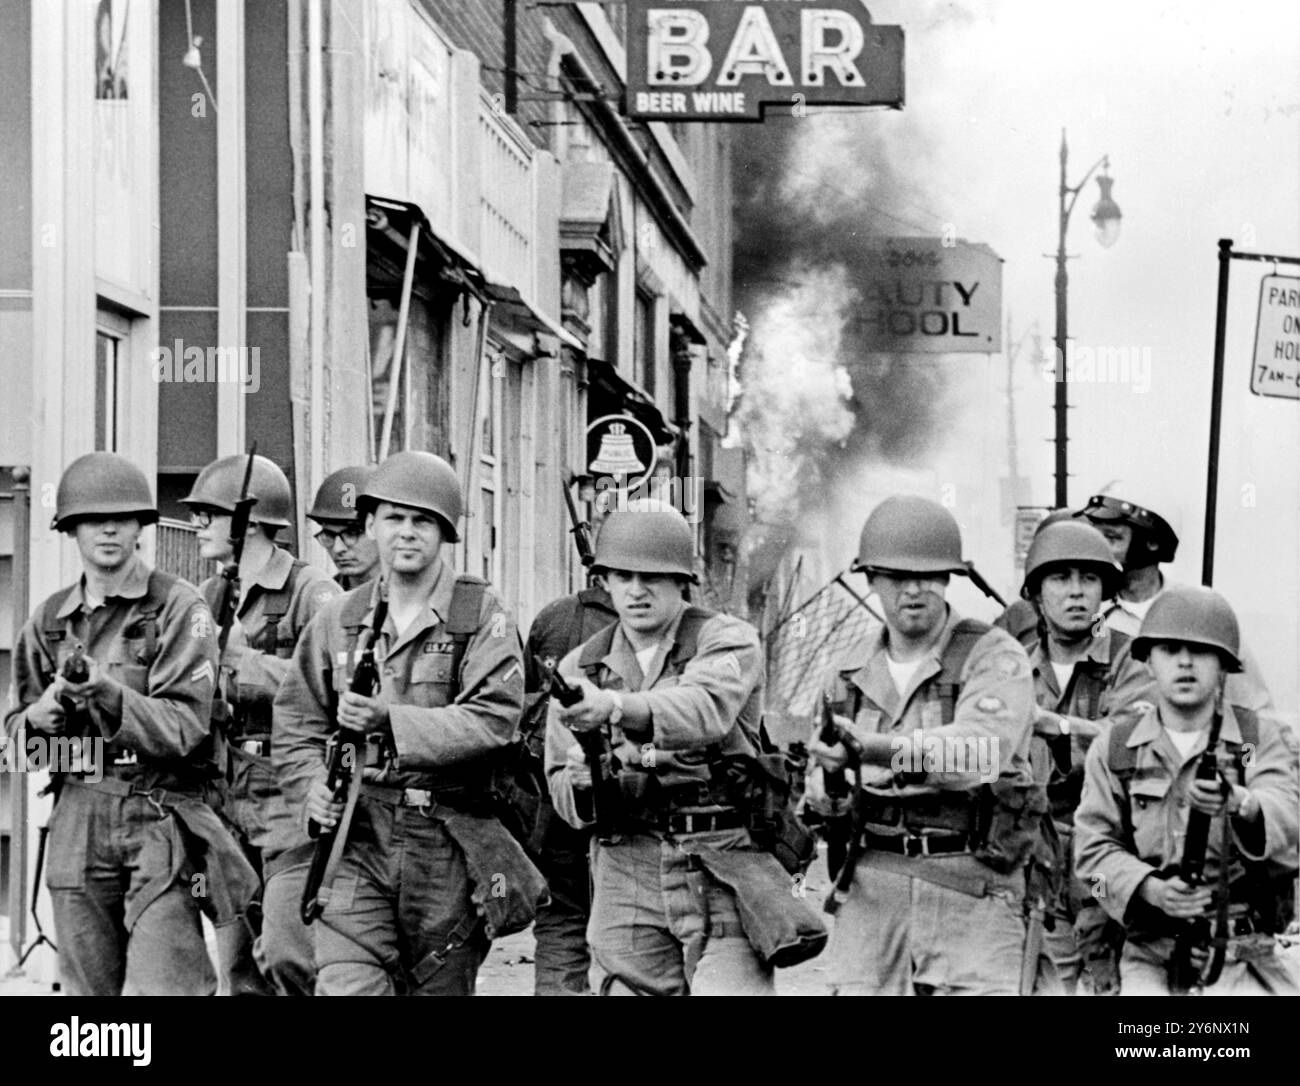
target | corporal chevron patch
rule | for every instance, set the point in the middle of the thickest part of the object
(203, 671)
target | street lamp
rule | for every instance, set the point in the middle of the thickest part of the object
(1105, 223)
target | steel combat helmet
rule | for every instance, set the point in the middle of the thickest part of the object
(418, 480)
(907, 534)
(219, 484)
(338, 496)
(649, 541)
(100, 486)
(1191, 615)
(1070, 543)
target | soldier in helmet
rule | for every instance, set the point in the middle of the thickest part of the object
(135, 852)
(1083, 674)
(278, 597)
(1142, 790)
(342, 529)
(1142, 534)
(936, 711)
(1020, 619)
(428, 875)
(677, 879)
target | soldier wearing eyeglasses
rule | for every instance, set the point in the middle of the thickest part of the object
(279, 595)
(342, 532)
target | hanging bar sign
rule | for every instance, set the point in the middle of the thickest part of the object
(696, 60)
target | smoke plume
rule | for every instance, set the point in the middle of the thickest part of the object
(817, 408)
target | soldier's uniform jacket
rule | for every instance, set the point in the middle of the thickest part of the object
(1245, 688)
(276, 605)
(165, 662)
(995, 704)
(1113, 865)
(437, 742)
(1106, 680)
(704, 706)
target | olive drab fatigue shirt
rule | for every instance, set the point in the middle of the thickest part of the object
(263, 665)
(1245, 688)
(438, 741)
(161, 712)
(1114, 866)
(995, 709)
(715, 700)
(1124, 681)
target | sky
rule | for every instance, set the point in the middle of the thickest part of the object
(1198, 108)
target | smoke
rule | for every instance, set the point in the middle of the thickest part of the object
(817, 408)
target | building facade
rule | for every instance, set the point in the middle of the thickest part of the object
(333, 227)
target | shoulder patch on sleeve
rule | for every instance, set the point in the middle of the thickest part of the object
(1010, 664)
(990, 704)
(732, 663)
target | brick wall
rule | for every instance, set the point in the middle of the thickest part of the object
(478, 26)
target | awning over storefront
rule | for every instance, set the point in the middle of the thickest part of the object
(436, 257)
(611, 394)
(510, 305)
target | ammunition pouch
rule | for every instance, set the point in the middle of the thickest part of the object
(1009, 825)
(767, 788)
(1004, 821)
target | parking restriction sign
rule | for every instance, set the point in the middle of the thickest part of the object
(1275, 369)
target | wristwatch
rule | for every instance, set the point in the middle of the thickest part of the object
(616, 713)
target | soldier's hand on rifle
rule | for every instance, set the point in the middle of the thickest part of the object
(815, 796)
(362, 714)
(831, 756)
(576, 763)
(591, 712)
(1175, 898)
(321, 807)
(1210, 797)
(46, 714)
(98, 683)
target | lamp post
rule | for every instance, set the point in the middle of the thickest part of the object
(1105, 220)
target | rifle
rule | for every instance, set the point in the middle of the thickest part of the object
(227, 600)
(581, 532)
(76, 669)
(593, 748)
(831, 734)
(342, 775)
(979, 582)
(835, 783)
(1195, 934)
